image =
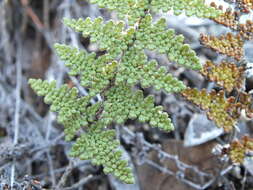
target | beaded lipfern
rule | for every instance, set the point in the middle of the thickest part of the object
(114, 75)
(226, 74)
(239, 149)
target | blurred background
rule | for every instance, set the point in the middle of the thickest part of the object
(33, 153)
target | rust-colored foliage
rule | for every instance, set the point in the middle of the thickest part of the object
(226, 74)
(231, 19)
(246, 103)
(246, 30)
(228, 18)
(239, 149)
(245, 5)
(228, 44)
(223, 111)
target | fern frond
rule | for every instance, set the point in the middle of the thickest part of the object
(229, 44)
(226, 74)
(102, 149)
(239, 148)
(72, 112)
(110, 36)
(134, 9)
(156, 37)
(222, 111)
(122, 103)
(189, 7)
(135, 67)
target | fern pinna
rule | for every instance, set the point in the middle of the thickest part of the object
(114, 74)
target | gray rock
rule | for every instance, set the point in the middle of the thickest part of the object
(200, 130)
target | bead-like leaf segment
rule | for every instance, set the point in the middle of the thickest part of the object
(102, 149)
(110, 36)
(72, 111)
(245, 100)
(228, 44)
(147, 36)
(230, 19)
(239, 148)
(227, 75)
(134, 9)
(135, 67)
(246, 30)
(123, 103)
(96, 73)
(156, 37)
(219, 109)
(189, 7)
